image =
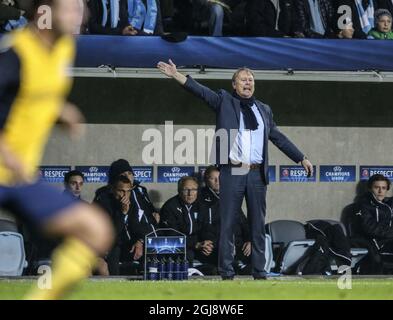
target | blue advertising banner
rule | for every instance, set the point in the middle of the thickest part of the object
(53, 174)
(337, 173)
(143, 174)
(365, 172)
(272, 172)
(295, 174)
(173, 174)
(94, 174)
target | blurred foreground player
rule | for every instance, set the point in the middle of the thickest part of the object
(33, 87)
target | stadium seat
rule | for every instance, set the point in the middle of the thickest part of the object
(357, 254)
(351, 221)
(12, 254)
(289, 243)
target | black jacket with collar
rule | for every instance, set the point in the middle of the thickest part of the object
(376, 218)
(96, 13)
(261, 18)
(303, 14)
(140, 192)
(174, 214)
(209, 220)
(130, 227)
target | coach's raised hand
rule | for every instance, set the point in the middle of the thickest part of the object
(170, 70)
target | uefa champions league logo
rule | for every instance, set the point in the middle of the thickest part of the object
(93, 169)
(176, 170)
(337, 169)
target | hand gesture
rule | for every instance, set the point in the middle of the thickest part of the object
(157, 217)
(169, 70)
(125, 204)
(137, 248)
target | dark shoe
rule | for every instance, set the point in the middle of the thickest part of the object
(260, 277)
(227, 277)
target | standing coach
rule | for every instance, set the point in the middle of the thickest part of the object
(244, 164)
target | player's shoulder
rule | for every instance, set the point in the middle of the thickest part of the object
(8, 55)
(141, 188)
(6, 44)
(67, 45)
(171, 202)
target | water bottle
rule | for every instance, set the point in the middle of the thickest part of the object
(164, 273)
(177, 275)
(153, 271)
(148, 266)
(184, 269)
(161, 269)
(169, 268)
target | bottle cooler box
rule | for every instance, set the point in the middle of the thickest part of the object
(165, 256)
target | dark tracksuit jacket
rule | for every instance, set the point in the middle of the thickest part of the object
(374, 232)
(209, 221)
(376, 219)
(177, 215)
(139, 199)
(128, 228)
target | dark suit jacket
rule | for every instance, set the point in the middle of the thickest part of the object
(261, 18)
(227, 110)
(96, 12)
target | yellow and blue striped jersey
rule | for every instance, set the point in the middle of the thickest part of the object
(33, 88)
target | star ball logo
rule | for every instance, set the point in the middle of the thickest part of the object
(285, 173)
(94, 174)
(175, 170)
(337, 169)
(365, 173)
(173, 174)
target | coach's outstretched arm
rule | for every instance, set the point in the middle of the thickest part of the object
(209, 96)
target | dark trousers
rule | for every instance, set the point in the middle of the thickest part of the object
(113, 260)
(233, 189)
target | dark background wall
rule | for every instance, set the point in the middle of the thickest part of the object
(300, 103)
